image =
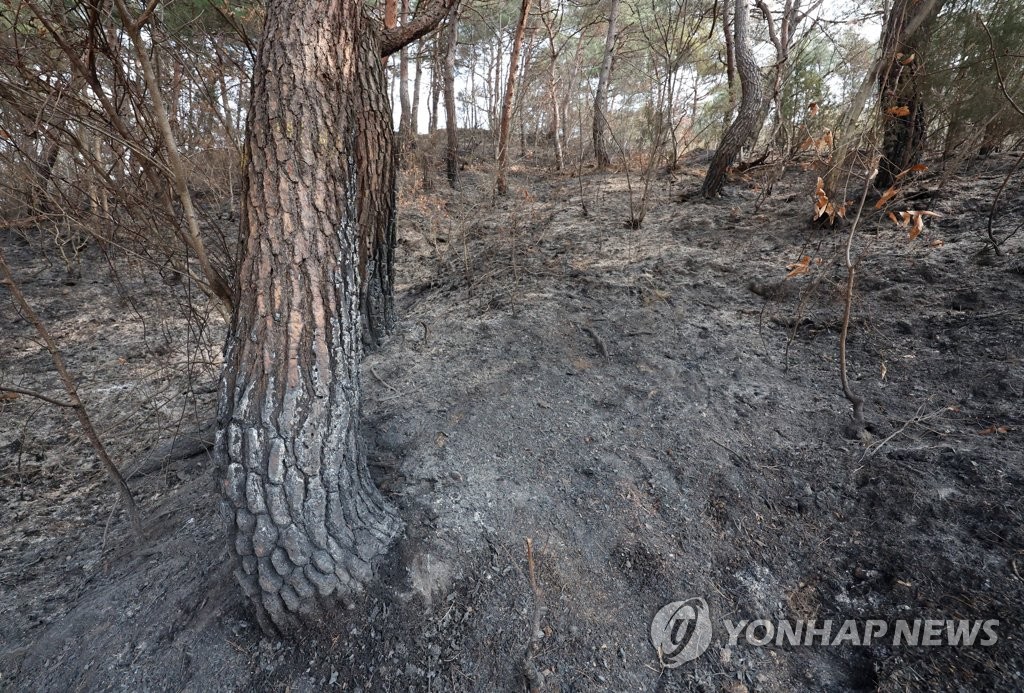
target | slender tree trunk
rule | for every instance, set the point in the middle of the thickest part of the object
(405, 117)
(436, 82)
(306, 521)
(451, 122)
(730, 62)
(751, 112)
(178, 176)
(901, 92)
(601, 96)
(556, 111)
(510, 92)
(417, 86)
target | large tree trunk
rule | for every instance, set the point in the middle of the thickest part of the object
(901, 92)
(751, 113)
(601, 96)
(506, 104)
(451, 123)
(306, 521)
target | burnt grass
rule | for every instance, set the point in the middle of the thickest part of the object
(657, 410)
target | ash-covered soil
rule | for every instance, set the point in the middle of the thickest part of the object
(657, 411)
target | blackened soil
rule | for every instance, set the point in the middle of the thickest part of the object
(657, 410)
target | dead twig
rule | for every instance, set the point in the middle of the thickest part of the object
(36, 395)
(534, 678)
(383, 382)
(857, 425)
(916, 419)
(598, 342)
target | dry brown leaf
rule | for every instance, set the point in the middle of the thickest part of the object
(886, 196)
(802, 266)
(6, 396)
(914, 219)
(994, 429)
(917, 227)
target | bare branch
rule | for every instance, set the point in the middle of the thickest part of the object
(36, 395)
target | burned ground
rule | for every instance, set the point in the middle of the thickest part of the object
(656, 409)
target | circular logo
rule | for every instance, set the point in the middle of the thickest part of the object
(681, 632)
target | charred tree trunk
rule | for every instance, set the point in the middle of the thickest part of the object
(901, 92)
(751, 113)
(376, 159)
(451, 123)
(306, 521)
(601, 97)
(510, 93)
(848, 132)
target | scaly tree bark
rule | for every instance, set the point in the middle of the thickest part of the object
(506, 104)
(751, 112)
(601, 96)
(901, 91)
(306, 522)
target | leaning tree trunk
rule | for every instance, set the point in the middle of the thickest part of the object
(751, 114)
(306, 521)
(901, 92)
(506, 104)
(601, 95)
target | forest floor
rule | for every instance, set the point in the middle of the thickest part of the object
(657, 410)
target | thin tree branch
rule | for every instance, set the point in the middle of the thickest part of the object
(36, 395)
(428, 15)
(73, 398)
